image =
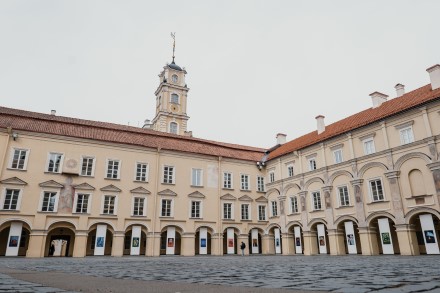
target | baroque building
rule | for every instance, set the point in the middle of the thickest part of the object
(367, 184)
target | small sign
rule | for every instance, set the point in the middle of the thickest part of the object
(170, 242)
(386, 239)
(100, 242)
(429, 236)
(230, 242)
(13, 241)
(203, 242)
(350, 239)
(135, 242)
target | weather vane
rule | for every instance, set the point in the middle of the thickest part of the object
(173, 35)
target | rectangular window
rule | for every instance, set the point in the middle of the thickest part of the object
(168, 174)
(260, 183)
(338, 156)
(196, 177)
(274, 209)
(261, 213)
(271, 177)
(227, 180)
(19, 159)
(141, 172)
(166, 208)
(87, 166)
(54, 161)
(369, 146)
(376, 190)
(290, 171)
(138, 206)
(113, 169)
(316, 200)
(406, 135)
(227, 211)
(195, 209)
(109, 205)
(49, 200)
(294, 204)
(245, 211)
(312, 164)
(344, 199)
(82, 203)
(11, 199)
(244, 182)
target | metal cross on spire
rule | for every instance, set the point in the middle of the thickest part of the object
(173, 35)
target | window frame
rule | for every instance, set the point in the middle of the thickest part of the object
(60, 164)
(271, 176)
(312, 164)
(245, 184)
(294, 209)
(260, 184)
(118, 175)
(231, 211)
(408, 129)
(264, 212)
(170, 208)
(347, 195)
(115, 205)
(196, 170)
(290, 170)
(172, 101)
(3, 199)
(315, 202)
(92, 173)
(133, 204)
(274, 208)
(55, 204)
(137, 175)
(175, 78)
(200, 205)
(364, 144)
(248, 211)
(172, 130)
(173, 175)
(370, 190)
(25, 162)
(231, 179)
(338, 156)
(75, 202)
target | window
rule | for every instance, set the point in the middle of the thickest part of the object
(260, 183)
(261, 213)
(244, 182)
(141, 172)
(227, 211)
(196, 177)
(10, 201)
(87, 166)
(82, 203)
(294, 204)
(49, 202)
(316, 200)
(245, 211)
(174, 98)
(195, 209)
(406, 135)
(109, 205)
(173, 127)
(274, 209)
(376, 190)
(290, 170)
(174, 78)
(168, 174)
(19, 159)
(227, 180)
(344, 199)
(166, 207)
(53, 163)
(113, 169)
(138, 206)
(271, 176)
(369, 146)
(337, 154)
(312, 164)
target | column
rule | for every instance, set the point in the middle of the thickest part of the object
(188, 244)
(118, 244)
(336, 242)
(429, 234)
(254, 240)
(135, 243)
(385, 236)
(368, 239)
(37, 240)
(153, 244)
(407, 240)
(171, 239)
(80, 246)
(268, 244)
(359, 204)
(243, 238)
(277, 238)
(217, 244)
(14, 239)
(298, 240)
(395, 196)
(321, 239)
(203, 240)
(230, 241)
(310, 243)
(287, 244)
(350, 238)
(101, 231)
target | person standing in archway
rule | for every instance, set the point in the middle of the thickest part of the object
(242, 247)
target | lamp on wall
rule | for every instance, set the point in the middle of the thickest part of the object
(14, 135)
(260, 165)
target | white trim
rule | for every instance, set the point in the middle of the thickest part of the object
(177, 129)
(312, 201)
(335, 157)
(265, 211)
(366, 140)
(11, 158)
(55, 205)
(75, 202)
(93, 166)
(264, 188)
(119, 168)
(115, 210)
(232, 180)
(171, 207)
(309, 163)
(411, 131)
(271, 208)
(173, 178)
(147, 171)
(178, 98)
(144, 210)
(248, 181)
(192, 177)
(200, 209)
(232, 210)
(249, 212)
(370, 192)
(290, 204)
(405, 124)
(3, 198)
(338, 197)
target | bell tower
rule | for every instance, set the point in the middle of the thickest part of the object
(171, 99)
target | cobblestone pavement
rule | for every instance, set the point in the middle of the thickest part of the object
(9, 284)
(327, 273)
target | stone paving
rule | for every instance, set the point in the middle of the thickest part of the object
(327, 273)
(9, 284)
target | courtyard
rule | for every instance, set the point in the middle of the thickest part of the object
(230, 273)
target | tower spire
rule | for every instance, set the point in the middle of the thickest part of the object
(173, 35)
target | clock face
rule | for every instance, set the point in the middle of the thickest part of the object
(174, 108)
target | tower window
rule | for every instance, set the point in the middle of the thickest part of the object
(174, 98)
(174, 78)
(173, 127)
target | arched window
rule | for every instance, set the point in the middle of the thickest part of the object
(416, 182)
(173, 127)
(174, 99)
(174, 78)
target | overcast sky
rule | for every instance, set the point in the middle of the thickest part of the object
(255, 68)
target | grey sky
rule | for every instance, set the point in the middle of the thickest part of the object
(255, 68)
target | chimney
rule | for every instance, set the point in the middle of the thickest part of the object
(400, 89)
(434, 75)
(320, 123)
(53, 112)
(281, 138)
(378, 99)
(147, 124)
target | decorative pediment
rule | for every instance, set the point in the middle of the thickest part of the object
(196, 194)
(84, 186)
(167, 192)
(245, 198)
(140, 190)
(51, 183)
(261, 199)
(228, 196)
(111, 188)
(13, 181)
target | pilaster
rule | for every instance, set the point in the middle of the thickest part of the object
(118, 244)
(37, 240)
(216, 244)
(369, 244)
(288, 245)
(153, 244)
(188, 244)
(336, 242)
(407, 239)
(268, 244)
(310, 242)
(80, 246)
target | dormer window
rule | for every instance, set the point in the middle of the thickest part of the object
(174, 78)
(174, 98)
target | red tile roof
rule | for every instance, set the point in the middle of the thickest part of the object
(103, 131)
(387, 109)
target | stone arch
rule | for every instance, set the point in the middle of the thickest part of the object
(379, 214)
(270, 227)
(289, 186)
(53, 223)
(406, 157)
(316, 221)
(4, 221)
(312, 180)
(164, 228)
(111, 226)
(255, 227)
(136, 223)
(371, 165)
(235, 227)
(339, 173)
(420, 210)
(272, 190)
(293, 223)
(210, 227)
(345, 218)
